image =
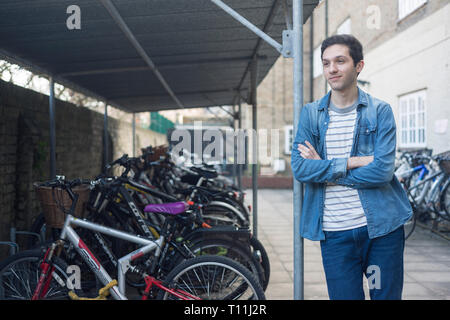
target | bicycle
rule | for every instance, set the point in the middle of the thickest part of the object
(427, 186)
(224, 237)
(113, 206)
(183, 282)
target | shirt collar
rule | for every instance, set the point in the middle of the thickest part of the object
(324, 102)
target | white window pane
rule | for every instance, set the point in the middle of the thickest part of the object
(345, 27)
(288, 139)
(420, 104)
(412, 121)
(404, 137)
(405, 7)
(404, 121)
(421, 123)
(412, 136)
(404, 107)
(317, 62)
(421, 136)
(412, 112)
(412, 105)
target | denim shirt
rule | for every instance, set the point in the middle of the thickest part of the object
(383, 199)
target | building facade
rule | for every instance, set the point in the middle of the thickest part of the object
(406, 52)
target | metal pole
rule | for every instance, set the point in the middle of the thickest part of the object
(105, 135)
(51, 104)
(234, 170)
(239, 180)
(311, 59)
(326, 36)
(253, 79)
(249, 25)
(298, 187)
(130, 36)
(134, 134)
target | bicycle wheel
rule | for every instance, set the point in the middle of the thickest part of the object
(445, 202)
(213, 278)
(229, 249)
(39, 226)
(261, 254)
(19, 275)
(410, 225)
(216, 215)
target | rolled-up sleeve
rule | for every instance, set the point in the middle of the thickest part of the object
(311, 170)
(381, 170)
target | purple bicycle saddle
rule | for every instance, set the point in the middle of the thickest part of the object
(172, 208)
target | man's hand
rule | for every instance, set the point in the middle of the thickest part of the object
(356, 162)
(308, 151)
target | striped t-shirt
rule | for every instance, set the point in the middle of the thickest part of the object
(342, 207)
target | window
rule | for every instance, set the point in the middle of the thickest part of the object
(317, 62)
(412, 112)
(345, 27)
(288, 138)
(405, 7)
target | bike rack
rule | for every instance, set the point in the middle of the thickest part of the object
(14, 246)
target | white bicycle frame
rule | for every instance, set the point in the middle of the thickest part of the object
(147, 245)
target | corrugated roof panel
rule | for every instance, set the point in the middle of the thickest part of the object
(201, 51)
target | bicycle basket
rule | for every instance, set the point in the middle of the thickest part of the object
(158, 152)
(444, 164)
(49, 199)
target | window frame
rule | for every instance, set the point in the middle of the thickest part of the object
(407, 7)
(288, 139)
(412, 111)
(317, 62)
(347, 23)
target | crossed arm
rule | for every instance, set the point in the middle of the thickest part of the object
(307, 151)
(356, 172)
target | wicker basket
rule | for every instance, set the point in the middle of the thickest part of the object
(444, 164)
(157, 153)
(54, 216)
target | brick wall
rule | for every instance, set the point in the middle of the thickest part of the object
(24, 149)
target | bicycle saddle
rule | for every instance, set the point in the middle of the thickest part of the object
(172, 208)
(206, 173)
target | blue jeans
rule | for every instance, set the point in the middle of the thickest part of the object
(348, 255)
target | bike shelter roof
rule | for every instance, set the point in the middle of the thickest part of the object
(201, 56)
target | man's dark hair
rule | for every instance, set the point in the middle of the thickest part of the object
(354, 46)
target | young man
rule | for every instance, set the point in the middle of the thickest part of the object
(344, 153)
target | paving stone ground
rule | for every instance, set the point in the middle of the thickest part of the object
(427, 256)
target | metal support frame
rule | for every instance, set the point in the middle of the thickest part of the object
(281, 48)
(234, 168)
(51, 107)
(297, 9)
(130, 36)
(287, 16)
(258, 45)
(292, 47)
(58, 78)
(105, 136)
(133, 139)
(326, 36)
(239, 179)
(253, 85)
(187, 64)
(249, 25)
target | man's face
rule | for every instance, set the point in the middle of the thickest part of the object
(338, 67)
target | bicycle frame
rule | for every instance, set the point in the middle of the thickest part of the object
(144, 189)
(118, 292)
(428, 189)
